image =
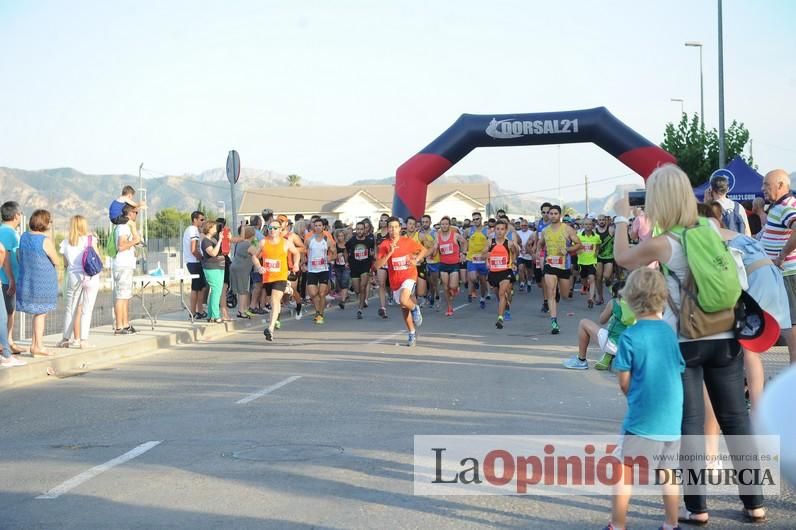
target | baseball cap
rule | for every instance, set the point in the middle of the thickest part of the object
(760, 330)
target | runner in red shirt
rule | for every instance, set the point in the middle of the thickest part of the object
(401, 255)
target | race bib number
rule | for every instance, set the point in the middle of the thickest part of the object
(318, 262)
(556, 261)
(340, 259)
(588, 247)
(498, 262)
(477, 258)
(400, 263)
(538, 263)
(360, 253)
(446, 249)
(272, 265)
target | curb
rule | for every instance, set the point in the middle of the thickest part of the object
(66, 365)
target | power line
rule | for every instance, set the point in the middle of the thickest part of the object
(264, 193)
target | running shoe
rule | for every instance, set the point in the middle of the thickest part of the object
(449, 312)
(574, 363)
(389, 300)
(590, 303)
(8, 362)
(522, 288)
(555, 329)
(499, 323)
(412, 340)
(359, 314)
(366, 304)
(133, 330)
(341, 304)
(482, 303)
(545, 307)
(320, 321)
(469, 299)
(417, 316)
(382, 312)
(297, 314)
(507, 315)
(605, 362)
(489, 297)
(269, 336)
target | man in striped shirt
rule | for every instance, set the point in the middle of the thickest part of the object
(779, 240)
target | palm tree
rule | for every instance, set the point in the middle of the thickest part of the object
(293, 180)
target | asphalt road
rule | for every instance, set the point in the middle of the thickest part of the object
(312, 431)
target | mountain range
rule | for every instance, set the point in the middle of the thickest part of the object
(66, 191)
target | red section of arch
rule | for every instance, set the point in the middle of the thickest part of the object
(414, 176)
(645, 160)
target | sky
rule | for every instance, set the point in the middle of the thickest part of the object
(337, 91)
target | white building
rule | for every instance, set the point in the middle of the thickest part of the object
(354, 203)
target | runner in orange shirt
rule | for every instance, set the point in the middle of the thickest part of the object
(401, 255)
(274, 251)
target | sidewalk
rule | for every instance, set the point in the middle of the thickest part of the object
(171, 329)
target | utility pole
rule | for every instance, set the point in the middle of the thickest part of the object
(489, 204)
(751, 150)
(140, 187)
(722, 151)
(586, 184)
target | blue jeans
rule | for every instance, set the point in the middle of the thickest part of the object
(4, 331)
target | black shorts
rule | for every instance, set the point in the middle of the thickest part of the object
(462, 265)
(527, 262)
(317, 278)
(227, 263)
(421, 270)
(564, 274)
(281, 285)
(537, 275)
(197, 284)
(494, 278)
(449, 268)
(605, 260)
(359, 268)
(587, 270)
(293, 276)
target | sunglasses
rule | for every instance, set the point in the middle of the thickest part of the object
(274, 227)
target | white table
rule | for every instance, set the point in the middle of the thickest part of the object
(141, 282)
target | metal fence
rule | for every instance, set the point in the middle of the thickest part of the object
(164, 249)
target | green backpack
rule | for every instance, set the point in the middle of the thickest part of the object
(110, 244)
(711, 266)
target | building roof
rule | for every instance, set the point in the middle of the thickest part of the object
(326, 199)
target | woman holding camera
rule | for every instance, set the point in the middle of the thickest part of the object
(716, 360)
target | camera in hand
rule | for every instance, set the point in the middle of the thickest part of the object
(637, 198)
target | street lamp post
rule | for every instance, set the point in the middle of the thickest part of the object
(695, 44)
(682, 102)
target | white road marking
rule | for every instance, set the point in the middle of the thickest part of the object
(461, 306)
(387, 337)
(94, 471)
(267, 390)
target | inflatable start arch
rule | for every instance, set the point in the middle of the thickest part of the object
(486, 130)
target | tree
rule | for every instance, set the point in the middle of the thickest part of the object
(168, 222)
(697, 149)
(206, 210)
(294, 180)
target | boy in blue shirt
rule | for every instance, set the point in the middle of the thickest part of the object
(650, 367)
(115, 210)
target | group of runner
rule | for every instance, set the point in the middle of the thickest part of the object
(413, 263)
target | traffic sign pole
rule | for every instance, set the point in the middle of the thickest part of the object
(233, 174)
